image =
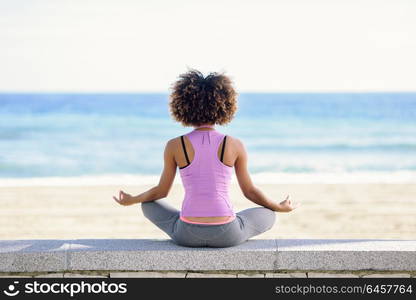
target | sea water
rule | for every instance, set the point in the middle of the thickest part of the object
(290, 137)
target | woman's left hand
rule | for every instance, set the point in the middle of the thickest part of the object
(124, 199)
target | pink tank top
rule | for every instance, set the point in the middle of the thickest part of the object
(206, 179)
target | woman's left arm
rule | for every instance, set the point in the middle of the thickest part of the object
(165, 182)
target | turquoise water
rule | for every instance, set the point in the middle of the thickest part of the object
(62, 135)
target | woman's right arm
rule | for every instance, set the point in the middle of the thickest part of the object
(250, 191)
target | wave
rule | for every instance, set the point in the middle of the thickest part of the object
(71, 135)
(397, 177)
(338, 147)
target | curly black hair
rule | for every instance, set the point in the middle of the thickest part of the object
(196, 100)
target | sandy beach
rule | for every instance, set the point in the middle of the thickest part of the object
(376, 211)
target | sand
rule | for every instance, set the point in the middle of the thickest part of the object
(374, 211)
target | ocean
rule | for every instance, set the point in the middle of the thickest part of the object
(61, 138)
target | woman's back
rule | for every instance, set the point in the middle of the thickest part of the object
(205, 177)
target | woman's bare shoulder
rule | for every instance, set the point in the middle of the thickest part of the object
(237, 142)
(172, 143)
(236, 145)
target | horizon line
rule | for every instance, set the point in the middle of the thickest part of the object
(238, 92)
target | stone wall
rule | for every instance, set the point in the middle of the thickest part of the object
(229, 274)
(254, 258)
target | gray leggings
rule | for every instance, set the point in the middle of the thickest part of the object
(248, 223)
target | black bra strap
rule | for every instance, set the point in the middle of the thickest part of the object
(223, 146)
(184, 150)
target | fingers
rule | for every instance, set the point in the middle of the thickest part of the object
(119, 201)
(121, 196)
(287, 199)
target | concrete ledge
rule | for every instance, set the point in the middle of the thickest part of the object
(388, 255)
(25, 256)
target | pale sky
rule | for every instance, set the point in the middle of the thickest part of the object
(263, 45)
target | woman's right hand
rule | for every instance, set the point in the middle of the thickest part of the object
(287, 205)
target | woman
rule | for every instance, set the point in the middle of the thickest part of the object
(206, 159)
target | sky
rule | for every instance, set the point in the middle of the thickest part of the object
(263, 45)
